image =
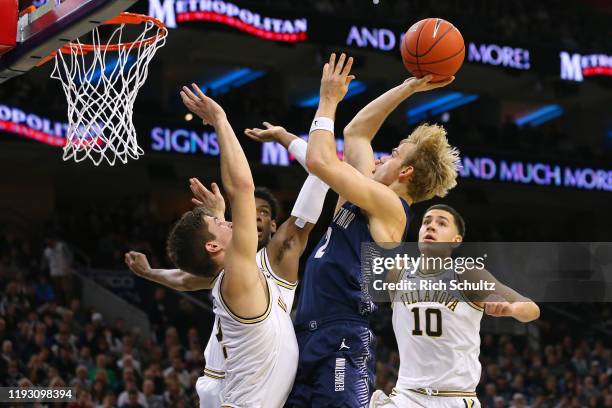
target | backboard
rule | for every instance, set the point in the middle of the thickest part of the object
(31, 34)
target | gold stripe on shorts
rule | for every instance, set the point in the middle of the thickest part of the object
(444, 393)
(217, 375)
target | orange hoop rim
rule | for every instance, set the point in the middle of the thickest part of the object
(123, 18)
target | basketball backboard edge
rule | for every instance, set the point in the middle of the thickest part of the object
(48, 29)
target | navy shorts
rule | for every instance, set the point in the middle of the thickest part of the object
(336, 367)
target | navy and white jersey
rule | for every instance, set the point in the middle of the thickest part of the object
(332, 287)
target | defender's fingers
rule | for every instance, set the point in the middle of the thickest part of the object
(332, 61)
(340, 65)
(215, 188)
(326, 69)
(190, 94)
(198, 91)
(195, 183)
(268, 125)
(347, 67)
(252, 134)
(197, 202)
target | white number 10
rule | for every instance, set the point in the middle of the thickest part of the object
(321, 250)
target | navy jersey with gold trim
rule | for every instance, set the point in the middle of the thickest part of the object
(332, 283)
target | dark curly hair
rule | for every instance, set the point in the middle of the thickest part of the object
(265, 194)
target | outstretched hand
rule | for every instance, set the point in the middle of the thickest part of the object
(211, 200)
(137, 262)
(423, 84)
(271, 133)
(207, 109)
(336, 79)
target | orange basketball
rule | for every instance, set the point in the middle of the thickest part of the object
(433, 46)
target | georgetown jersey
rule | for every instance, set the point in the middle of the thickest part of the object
(332, 286)
(261, 353)
(438, 337)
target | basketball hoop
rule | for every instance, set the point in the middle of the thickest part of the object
(101, 81)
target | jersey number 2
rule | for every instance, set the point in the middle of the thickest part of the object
(321, 251)
(430, 314)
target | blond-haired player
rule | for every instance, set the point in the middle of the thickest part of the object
(438, 331)
(336, 366)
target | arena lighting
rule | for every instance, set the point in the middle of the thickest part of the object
(355, 88)
(540, 116)
(439, 105)
(233, 79)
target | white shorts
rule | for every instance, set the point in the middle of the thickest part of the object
(209, 391)
(413, 399)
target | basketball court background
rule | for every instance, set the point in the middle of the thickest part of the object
(530, 111)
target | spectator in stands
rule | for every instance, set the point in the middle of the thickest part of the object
(58, 258)
(125, 397)
(153, 400)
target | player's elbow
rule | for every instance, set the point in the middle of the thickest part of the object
(240, 185)
(351, 131)
(315, 163)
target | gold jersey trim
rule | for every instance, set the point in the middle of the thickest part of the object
(279, 281)
(282, 304)
(443, 393)
(243, 320)
(216, 372)
(217, 375)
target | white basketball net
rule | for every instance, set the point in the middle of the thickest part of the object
(101, 87)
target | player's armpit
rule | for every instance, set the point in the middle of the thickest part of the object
(243, 288)
(286, 247)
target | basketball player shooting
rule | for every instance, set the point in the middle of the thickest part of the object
(438, 332)
(337, 362)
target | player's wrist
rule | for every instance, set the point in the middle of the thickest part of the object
(286, 138)
(326, 109)
(322, 122)
(219, 119)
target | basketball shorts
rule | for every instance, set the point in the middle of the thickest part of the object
(414, 399)
(336, 367)
(209, 391)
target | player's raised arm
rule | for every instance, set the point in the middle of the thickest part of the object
(289, 241)
(360, 131)
(382, 205)
(241, 283)
(172, 278)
